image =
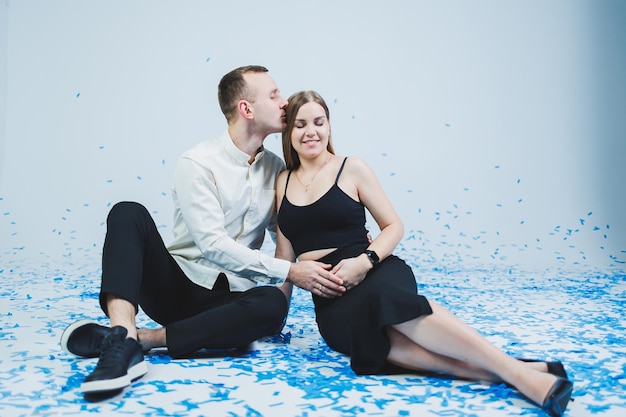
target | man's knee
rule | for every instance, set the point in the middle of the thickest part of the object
(126, 210)
(126, 207)
(273, 306)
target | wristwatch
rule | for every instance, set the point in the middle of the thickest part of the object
(373, 257)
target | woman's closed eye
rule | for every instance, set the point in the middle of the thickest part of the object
(320, 121)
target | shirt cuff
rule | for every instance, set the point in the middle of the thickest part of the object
(280, 269)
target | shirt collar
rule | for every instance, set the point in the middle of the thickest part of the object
(236, 153)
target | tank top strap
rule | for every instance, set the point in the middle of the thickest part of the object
(341, 169)
(287, 182)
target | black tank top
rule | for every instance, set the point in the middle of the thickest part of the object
(335, 220)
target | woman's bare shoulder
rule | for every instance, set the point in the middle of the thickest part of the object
(357, 165)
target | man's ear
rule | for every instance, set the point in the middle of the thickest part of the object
(245, 109)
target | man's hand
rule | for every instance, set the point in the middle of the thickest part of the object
(315, 277)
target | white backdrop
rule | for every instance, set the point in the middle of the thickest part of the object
(497, 128)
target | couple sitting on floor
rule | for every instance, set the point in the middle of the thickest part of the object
(213, 288)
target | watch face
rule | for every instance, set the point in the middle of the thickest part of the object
(372, 256)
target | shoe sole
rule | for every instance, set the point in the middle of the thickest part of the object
(67, 333)
(135, 372)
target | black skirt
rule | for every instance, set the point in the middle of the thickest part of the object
(354, 324)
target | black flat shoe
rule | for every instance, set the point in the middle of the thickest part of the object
(558, 397)
(555, 368)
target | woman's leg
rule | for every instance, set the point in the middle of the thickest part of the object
(407, 354)
(445, 335)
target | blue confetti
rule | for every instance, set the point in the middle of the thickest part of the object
(579, 319)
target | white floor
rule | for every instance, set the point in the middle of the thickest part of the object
(574, 316)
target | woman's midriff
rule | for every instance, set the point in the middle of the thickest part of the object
(314, 255)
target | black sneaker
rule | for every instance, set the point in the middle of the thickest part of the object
(84, 338)
(121, 362)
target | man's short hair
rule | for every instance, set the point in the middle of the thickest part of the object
(233, 87)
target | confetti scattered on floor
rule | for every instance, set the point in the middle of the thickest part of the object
(575, 316)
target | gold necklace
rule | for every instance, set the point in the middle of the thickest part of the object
(306, 186)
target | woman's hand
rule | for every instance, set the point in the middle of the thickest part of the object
(352, 270)
(315, 277)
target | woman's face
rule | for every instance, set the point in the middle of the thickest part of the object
(311, 130)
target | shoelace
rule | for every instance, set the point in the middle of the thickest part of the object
(110, 353)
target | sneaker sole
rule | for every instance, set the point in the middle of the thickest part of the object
(105, 385)
(65, 337)
(138, 370)
(135, 372)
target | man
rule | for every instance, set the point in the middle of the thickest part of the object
(203, 287)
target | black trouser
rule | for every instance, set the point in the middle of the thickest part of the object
(137, 267)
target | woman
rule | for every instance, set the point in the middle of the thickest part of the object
(380, 320)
